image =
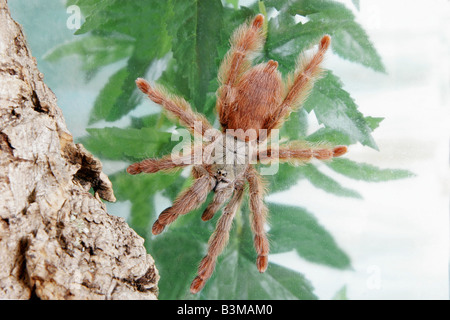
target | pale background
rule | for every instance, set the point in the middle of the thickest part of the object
(397, 236)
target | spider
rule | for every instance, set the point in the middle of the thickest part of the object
(249, 99)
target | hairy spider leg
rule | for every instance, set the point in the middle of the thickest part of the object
(258, 217)
(187, 201)
(245, 41)
(219, 239)
(298, 152)
(177, 107)
(166, 163)
(220, 196)
(307, 72)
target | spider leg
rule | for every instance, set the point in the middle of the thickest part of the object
(220, 196)
(166, 163)
(307, 71)
(176, 106)
(247, 39)
(218, 240)
(258, 217)
(187, 201)
(301, 152)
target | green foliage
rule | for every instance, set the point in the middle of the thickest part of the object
(341, 294)
(312, 241)
(335, 108)
(366, 172)
(236, 276)
(350, 41)
(194, 36)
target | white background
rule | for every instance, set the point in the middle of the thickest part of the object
(397, 236)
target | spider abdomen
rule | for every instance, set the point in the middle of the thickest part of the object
(257, 94)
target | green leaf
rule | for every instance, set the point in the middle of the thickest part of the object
(94, 51)
(195, 30)
(236, 275)
(117, 20)
(335, 108)
(367, 172)
(105, 103)
(295, 228)
(341, 294)
(324, 182)
(238, 278)
(289, 175)
(140, 190)
(119, 144)
(117, 16)
(177, 254)
(335, 137)
(373, 122)
(296, 125)
(349, 40)
(286, 177)
(292, 285)
(142, 186)
(120, 96)
(141, 215)
(179, 249)
(283, 43)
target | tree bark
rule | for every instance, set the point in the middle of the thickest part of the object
(56, 239)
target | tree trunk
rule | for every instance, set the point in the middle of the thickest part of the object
(56, 239)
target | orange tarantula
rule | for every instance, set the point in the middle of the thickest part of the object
(250, 98)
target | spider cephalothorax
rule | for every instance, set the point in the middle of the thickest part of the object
(252, 102)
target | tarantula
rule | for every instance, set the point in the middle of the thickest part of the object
(249, 99)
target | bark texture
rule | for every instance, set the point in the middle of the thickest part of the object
(56, 239)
